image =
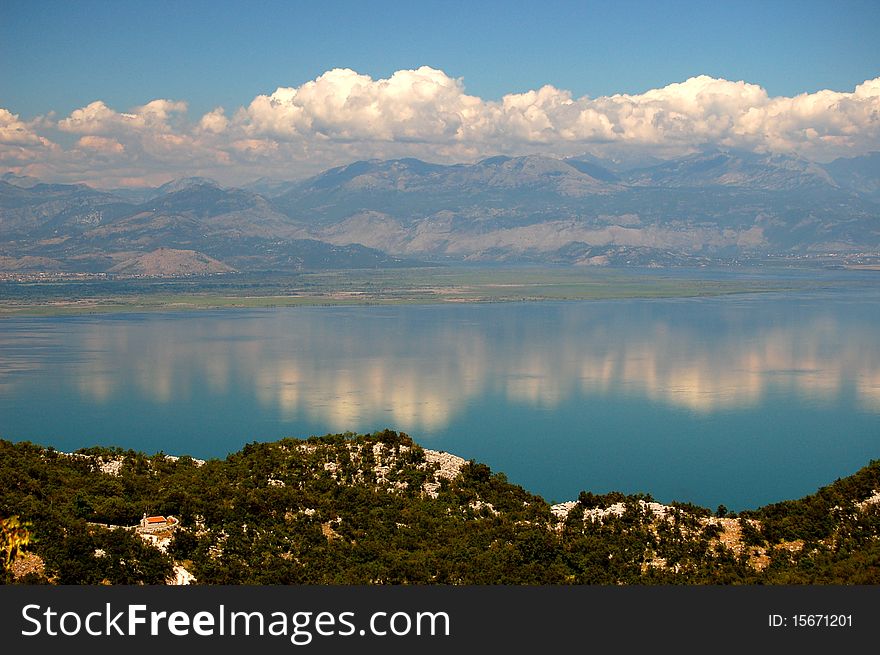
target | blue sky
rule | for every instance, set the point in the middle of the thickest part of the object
(62, 55)
(134, 93)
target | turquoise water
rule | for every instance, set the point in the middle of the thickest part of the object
(740, 400)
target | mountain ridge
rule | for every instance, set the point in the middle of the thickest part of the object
(714, 205)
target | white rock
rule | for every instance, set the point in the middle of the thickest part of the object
(181, 576)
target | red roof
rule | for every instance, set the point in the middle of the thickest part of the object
(156, 519)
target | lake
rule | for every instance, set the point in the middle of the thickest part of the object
(740, 400)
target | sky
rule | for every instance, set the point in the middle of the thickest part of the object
(133, 93)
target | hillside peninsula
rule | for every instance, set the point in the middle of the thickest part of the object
(380, 509)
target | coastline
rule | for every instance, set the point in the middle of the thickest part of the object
(381, 287)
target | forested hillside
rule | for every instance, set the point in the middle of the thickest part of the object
(379, 509)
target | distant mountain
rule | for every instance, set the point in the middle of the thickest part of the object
(138, 195)
(167, 262)
(202, 200)
(270, 188)
(133, 195)
(23, 181)
(710, 205)
(184, 183)
(734, 168)
(409, 190)
(194, 228)
(415, 176)
(860, 174)
(620, 163)
(594, 170)
(719, 204)
(44, 209)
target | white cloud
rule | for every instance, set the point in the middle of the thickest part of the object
(20, 144)
(422, 105)
(15, 132)
(425, 106)
(98, 118)
(343, 115)
(101, 144)
(214, 122)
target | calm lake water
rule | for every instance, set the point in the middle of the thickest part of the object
(741, 400)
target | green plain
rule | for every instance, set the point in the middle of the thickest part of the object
(369, 287)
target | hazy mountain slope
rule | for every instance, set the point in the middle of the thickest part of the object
(411, 189)
(165, 262)
(75, 228)
(860, 174)
(44, 208)
(712, 205)
(734, 168)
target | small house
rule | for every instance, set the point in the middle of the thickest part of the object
(151, 524)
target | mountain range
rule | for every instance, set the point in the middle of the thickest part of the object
(715, 205)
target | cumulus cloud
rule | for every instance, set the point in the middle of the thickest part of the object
(20, 144)
(94, 119)
(101, 144)
(425, 106)
(344, 115)
(422, 105)
(98, 118)
(214, 122)
(15, 132)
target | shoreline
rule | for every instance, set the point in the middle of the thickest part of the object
(214, 303)
(384, 287)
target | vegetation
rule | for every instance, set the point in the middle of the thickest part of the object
(378, 509)
(14, 537)
(46, 296)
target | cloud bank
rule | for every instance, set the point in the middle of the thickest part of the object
(343, 115)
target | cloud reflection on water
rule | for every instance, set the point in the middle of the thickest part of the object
(417, 368)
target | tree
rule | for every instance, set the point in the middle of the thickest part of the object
(14, 536)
